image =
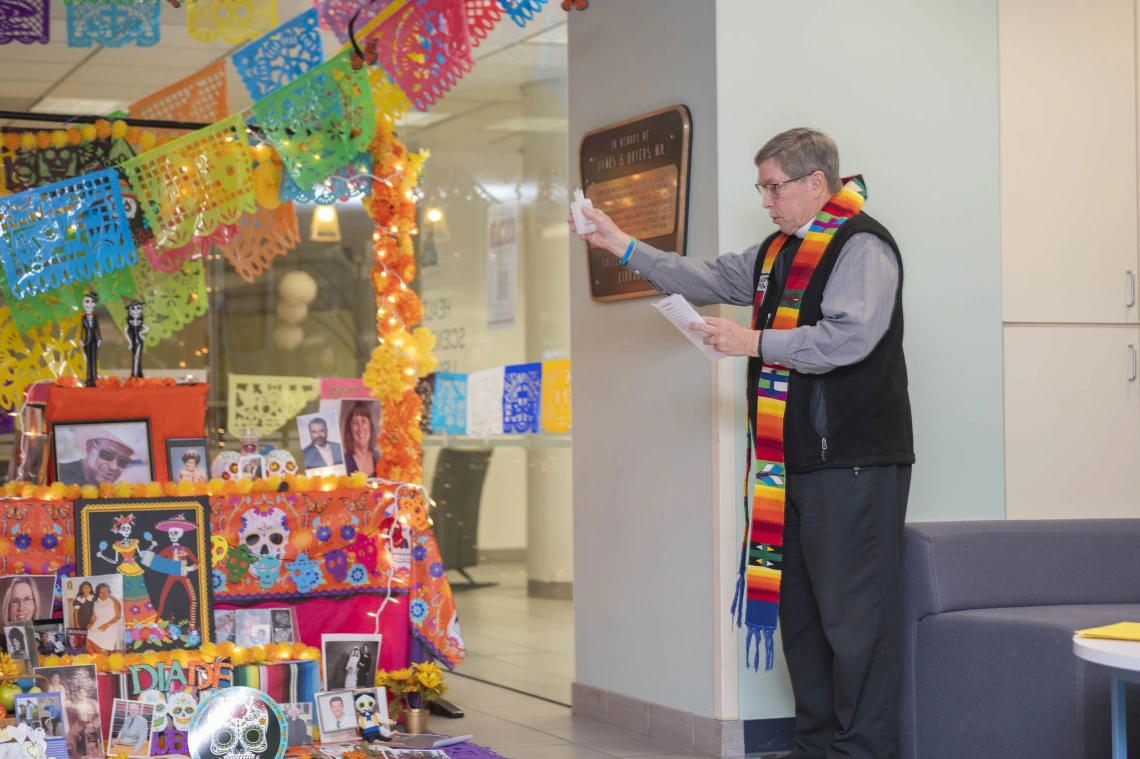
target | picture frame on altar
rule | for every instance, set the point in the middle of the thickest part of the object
(251, 467)
(94, 612)
(79, 685)
(21, 642)
(187, 459)
(350, 661)
(161, 549)
(336, 716)
(225, 625)
(320, 438)
(131, 727)
(95, 452)
(26, 598)
(50, 639)
(299, 720)
(44, 711)
(259, 627)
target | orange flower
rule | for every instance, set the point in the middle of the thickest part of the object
(138, 490)
(170, 489)
(67, 381)
(43, 140)
(106, 490)
(103, 129)
(73, 136)
(11, 141)
(71, 493)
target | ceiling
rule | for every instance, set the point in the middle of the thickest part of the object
(484, 109)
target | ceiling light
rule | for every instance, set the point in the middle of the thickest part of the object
(325, 226)
(80, 106)
(434, 215)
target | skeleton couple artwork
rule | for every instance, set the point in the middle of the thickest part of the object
(166, 590)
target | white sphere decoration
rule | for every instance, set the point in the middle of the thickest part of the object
(291, 312)
(288, 336)
(297, 287)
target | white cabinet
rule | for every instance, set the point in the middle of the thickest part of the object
(1072, 422)
(1067, 105)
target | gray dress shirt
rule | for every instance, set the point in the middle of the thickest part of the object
(857, 301)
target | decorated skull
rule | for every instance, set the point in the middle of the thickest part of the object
(336, 562)
(225, 466)
(238, 723)
(305, 573)
(265, 532)
(267, 570)
(180, 706)
(159, 700)
(279, 462)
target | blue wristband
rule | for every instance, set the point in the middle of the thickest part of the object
(629, 251)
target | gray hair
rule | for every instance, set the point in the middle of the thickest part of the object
(802, 151)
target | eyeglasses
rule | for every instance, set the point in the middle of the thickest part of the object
(774, 189)
(124, 461)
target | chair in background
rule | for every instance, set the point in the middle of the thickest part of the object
(457, 488)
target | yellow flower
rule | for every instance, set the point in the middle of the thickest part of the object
(116, 663)
(430, 680)
(8, 666)
(122, 490)
(153, 490)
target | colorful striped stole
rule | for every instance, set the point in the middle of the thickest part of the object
(757, 601)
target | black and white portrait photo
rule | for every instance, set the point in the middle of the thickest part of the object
(350, 660)
(299, 719)
(282, 625)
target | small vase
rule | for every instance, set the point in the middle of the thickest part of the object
(415, 721)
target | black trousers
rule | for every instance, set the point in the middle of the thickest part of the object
(840, 599)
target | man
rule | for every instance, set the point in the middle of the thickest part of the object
(340, 722)
(51, 720)
(830, 427)
(105, 457)
(133, 733)
(299, 733)
(321, 452)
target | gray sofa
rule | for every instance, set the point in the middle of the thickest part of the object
(989, 609)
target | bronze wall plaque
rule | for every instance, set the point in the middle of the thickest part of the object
(637, 171)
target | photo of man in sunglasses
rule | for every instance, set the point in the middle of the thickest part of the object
(102, 453)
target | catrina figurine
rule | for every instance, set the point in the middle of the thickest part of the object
(136, 330)
(92, 340)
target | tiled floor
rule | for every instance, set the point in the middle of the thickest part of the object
(522, 643)
(521, 727)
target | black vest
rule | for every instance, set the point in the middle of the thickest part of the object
(851, 416)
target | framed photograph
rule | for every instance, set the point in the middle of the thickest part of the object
(253, 628)
(91, 453)
(320, 443)
(186, 459)
(225, 625)
(360, 433)
(26, 598)
(21, 640)
(350, 661)
(336, 716)
(284, 625)
(251, 467)
(299, 718)
(79, 691)
(50, 640)
(161, 549)
(44, 710)
(131, 724)
(94, 610)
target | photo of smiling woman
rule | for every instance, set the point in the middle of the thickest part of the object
(26, 598)
(360, 428)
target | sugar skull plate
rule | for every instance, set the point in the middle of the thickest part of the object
(238, 723)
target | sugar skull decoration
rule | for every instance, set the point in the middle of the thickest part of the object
(267, 570)
(280, 463)
(305, 573)
(159, 700)
(238, 723)
(371, 713)
(238, 562)
(180, 706)
(226, 466)
(265, 532)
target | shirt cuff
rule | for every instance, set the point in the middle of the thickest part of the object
(776, 346)
(641, 260)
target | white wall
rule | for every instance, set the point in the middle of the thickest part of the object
(908, 89)
(643, 431)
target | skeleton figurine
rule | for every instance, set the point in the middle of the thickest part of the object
(136, 330)
(92, 340)
(175, 528)
(373, 724)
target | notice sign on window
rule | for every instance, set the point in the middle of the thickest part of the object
(637, 171)
(502, 265)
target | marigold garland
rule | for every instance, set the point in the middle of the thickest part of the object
(297, 483)
(209, 652)
(404, 352)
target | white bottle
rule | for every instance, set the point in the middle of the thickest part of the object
(582, 225)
